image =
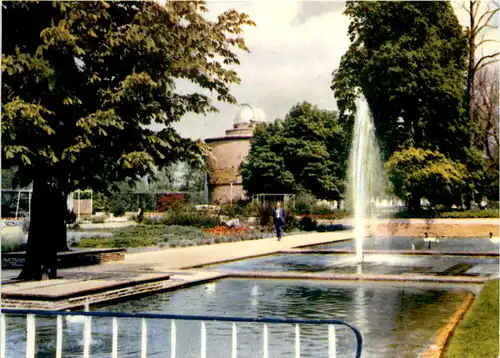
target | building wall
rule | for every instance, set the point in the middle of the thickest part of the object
(224, 163)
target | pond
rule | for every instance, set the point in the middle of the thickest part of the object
(396, 320)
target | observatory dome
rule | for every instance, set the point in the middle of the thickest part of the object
(247, 114)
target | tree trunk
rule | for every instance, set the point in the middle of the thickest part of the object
(44, 233)
(414, 203)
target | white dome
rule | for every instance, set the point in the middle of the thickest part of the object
(247, 114)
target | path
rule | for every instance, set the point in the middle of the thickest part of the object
(143, 272)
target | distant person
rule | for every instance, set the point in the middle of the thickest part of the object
(491, 235)
(483, 205)
(140, 215)
(279, 219)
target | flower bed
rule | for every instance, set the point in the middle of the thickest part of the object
(224, 230)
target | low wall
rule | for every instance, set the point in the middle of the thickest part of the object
(436, 229)
(14, 260)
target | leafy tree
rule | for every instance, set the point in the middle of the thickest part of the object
(305, 151)
(417, 173)
(81, 82)
(409, 61)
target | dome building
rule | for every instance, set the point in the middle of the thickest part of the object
(227, 153)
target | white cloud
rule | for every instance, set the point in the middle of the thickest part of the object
(289, 61)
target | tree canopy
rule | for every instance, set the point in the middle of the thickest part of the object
(409, 61)
(307, 151)
(82, 81)
(418, 173)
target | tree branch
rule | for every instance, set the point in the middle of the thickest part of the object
(486, 23)
(479, 64)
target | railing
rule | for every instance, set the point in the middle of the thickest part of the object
(87, 333)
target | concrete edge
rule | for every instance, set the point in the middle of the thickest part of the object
(393, 252)
(442, 337)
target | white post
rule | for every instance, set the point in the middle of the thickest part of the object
(18, 200)
(297, 341)
(172, 339)
(91, 203)
(114, 347)
(203, 348)
(144, 340)
(79, 206)
(265, 343)
(332, 344)
(29, 205)
(87, 336)
(231, 193)
(31, 335)
(234, 345)
(59, 335)
(2, 335)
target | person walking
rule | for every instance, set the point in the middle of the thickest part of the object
(140, 215)
(279, 220)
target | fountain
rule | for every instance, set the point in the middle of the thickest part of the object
(365, 173)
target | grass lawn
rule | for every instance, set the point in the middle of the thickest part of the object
(477, 335)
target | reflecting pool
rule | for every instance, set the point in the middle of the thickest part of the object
(372, 263)
(417, 243)
(396, 320)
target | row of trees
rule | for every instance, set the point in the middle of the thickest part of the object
(81, 86)
(434, 104)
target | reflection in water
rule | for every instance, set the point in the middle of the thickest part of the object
(392, 326)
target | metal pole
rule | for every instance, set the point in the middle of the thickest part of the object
(91, 203)
(231, 193)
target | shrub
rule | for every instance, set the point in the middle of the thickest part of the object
(291, 222)
(188, 217)
(99, 219)
(437, 214)
(304, 203)
(13, 244)
(307, 224)
(265, 216)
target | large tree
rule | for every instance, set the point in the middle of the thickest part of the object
(81, 83)
(416, 173)
(307, 151)
(409, 60)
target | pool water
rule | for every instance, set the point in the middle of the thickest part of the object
(373, 263)
(396, 320)
(408, 243)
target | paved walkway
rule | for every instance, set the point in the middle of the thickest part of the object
(157, 263)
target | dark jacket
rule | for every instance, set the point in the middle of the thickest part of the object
(282, 216)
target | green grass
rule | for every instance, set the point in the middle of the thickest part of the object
(435, 214)
(477, 335)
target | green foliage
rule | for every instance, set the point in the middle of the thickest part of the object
(307, 223)
(161, 236)
(184, 215)
(427, 174)
(459, 214)
(306, 151)
(409, 60)
(304, 203)
(12, 244)
(477, 335)
(81, 84)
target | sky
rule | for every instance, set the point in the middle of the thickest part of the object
(295, 47)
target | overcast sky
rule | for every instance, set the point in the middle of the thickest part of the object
(294, 49)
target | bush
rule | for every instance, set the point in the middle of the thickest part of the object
(13, 244)
(304, 203)
(188, 216)
(98, 219)
(265, 216)
(442, 214)
(308, 224)
(291, 222)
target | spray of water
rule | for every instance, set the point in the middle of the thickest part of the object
(366, 180)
